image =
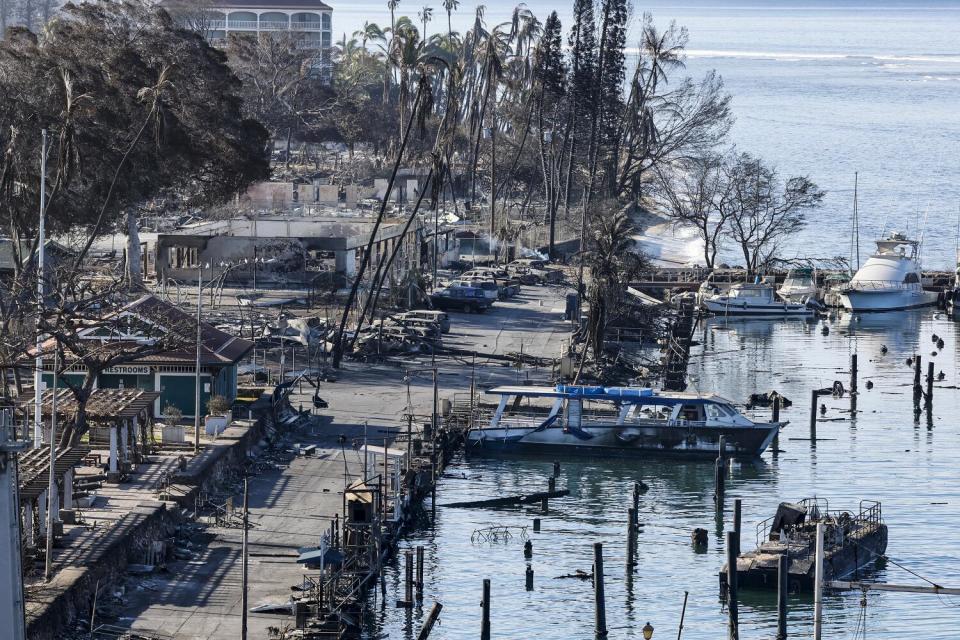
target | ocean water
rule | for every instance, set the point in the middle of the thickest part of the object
(881, 454)
(823, 89)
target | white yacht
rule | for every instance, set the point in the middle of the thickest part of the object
(753, 300)
(889, 280)
(800, 285)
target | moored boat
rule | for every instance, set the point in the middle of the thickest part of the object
(799, 286)
(889, 280)
(617, 422)
(754, 300)
(852, 544)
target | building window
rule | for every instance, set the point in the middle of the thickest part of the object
(306, 21)
(274, 21)
(326, 22)
(243, 20)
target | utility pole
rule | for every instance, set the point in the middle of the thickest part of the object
(41, 255)
(243, 595)
(196, 405)
(11, 571)
(52, 498)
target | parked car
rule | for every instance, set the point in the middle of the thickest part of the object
(459, 298)
(441, 318)
(431, 328)
(489, 288)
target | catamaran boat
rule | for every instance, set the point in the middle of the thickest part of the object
(889, 280)
(755, 300)
(800, 285)
(618, 422)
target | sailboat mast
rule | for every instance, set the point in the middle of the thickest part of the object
(856, 216)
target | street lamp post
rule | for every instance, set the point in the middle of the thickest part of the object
(196, 405)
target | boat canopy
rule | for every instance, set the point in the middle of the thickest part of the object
(630, 395)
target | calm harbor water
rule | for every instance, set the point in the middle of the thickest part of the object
(882, 454)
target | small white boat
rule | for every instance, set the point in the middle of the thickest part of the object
(800, 285)
(889, 280)
(754, 300)
(833, 286)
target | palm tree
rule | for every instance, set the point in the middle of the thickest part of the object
(405, 55)
(392, 5)
(450, 6)
(370, 32)
(425, 15)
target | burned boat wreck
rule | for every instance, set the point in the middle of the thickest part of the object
(616, 422)
(852, 544)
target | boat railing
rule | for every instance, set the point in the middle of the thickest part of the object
(521, 422)
(870, 515)
(877, 285)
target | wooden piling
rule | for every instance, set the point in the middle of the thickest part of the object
(775, 445)
(528, 549)
(556, 468)
(718, 481)
(853, 374)
(636, 501)
(408, 579)
(529, 578)
(733, 627)
(929, 398)
(917, 387)
(431, 620)
(485, 604)
(545, 505)
(737, 509)
(813, 413)
(600, 611)
(631, 538)
(719, 471)
(783, 564)
(536, 525)
(420, 556)
(552, 485)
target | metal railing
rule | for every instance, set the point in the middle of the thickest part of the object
(254, 25)
(876, 285)
(870, 515)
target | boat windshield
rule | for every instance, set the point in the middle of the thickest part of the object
(717, 410)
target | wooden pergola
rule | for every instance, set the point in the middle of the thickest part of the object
(121, 410)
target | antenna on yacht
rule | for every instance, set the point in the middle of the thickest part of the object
(855, 236)
(926, 214)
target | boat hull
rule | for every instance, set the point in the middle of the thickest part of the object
(874, 300)
(627, 441)
(770, 310)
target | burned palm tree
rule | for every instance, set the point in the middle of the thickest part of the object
(422, 107)
(612, 259)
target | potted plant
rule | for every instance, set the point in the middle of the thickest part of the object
(172, 431)
(218, 415)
